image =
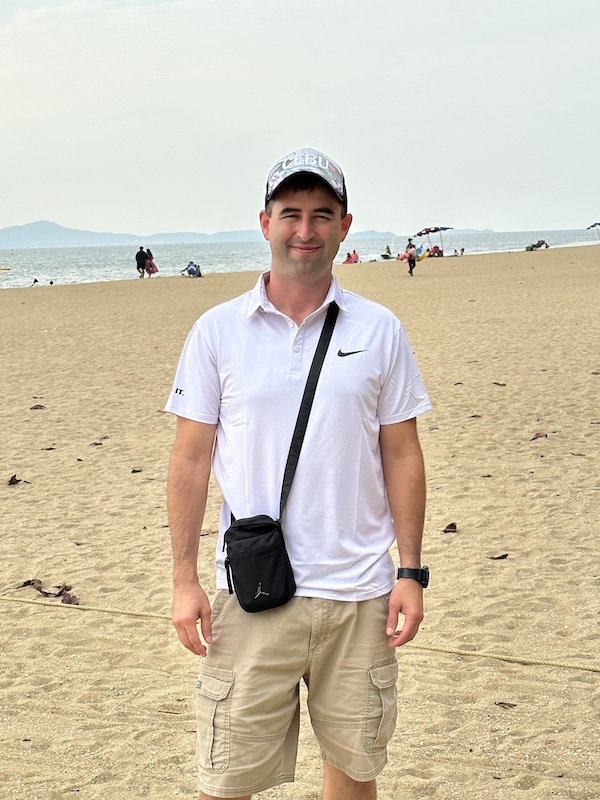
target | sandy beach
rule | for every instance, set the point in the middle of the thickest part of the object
(97, 703)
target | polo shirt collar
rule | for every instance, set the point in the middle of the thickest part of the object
(257, 297)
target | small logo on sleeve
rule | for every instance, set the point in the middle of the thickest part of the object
(179, 391)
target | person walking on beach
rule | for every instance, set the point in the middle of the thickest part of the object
(151, 267)
(411, 252)
(140, 260)
(358, 486)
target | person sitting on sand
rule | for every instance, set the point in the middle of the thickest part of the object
(192, 270)
(348, 259)
(354, 259)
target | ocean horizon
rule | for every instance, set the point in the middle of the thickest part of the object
(19, 268)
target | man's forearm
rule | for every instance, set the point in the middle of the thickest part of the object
(407, 504)
(404, 475)
(187, 489)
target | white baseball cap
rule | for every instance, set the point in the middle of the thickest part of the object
(307, 159)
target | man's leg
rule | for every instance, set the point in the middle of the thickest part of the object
(339, 786)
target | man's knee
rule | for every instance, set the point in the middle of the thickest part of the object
(337, 785)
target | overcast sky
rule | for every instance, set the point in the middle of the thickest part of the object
(147, 116)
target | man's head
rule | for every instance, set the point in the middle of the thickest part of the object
(304, 169)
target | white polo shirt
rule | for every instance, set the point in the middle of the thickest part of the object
(244, 367)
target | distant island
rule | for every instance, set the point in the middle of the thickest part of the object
(50, 234)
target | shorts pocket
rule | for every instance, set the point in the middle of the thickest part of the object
(218, 603)
(213, 738)
(381, 707)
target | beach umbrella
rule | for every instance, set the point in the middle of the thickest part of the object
(436, 229)
(595, 225)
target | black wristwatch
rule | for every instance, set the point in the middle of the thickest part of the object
(419, 575)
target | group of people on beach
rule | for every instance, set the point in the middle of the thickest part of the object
(145, 265)
(351, 258)
(144, 261)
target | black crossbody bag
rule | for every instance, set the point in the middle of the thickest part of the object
(257, 563)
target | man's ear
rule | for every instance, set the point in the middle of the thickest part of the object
(346, 222)
(265, 221)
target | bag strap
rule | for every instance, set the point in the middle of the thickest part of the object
(306, 404)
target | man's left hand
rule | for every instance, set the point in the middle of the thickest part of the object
(406, 599)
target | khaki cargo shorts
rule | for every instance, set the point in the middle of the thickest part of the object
(249, 683)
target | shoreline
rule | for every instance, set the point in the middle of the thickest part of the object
(172, 258)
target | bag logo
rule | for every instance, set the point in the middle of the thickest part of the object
(260, 592)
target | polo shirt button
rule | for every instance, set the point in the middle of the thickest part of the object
(297, 348)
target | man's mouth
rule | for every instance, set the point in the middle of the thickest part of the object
(305, 249)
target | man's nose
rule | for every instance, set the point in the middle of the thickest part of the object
(305, 228)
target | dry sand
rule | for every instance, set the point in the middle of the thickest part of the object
(101, 705)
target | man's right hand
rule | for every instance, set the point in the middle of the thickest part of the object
(191, 604)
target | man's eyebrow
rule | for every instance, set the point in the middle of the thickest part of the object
(323, 210)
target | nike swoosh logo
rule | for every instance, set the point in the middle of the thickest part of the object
(349, 353)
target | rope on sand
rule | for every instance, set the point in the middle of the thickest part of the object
(411, 645)
(105, 610)
(500, 657)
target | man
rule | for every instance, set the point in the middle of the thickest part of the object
(359, 484)
(140, 259)
(411, 252)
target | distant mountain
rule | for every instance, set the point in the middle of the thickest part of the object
(185, 237)
(372, 235)
(472, 230)
(50, 234)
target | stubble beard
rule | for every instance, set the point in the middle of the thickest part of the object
(316, 264)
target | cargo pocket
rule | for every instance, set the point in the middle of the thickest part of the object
(381, 709)
(213, 718)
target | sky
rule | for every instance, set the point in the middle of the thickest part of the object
(148, 116)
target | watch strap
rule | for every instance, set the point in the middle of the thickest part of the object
(420, 575)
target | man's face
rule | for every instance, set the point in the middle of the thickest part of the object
(304, 230)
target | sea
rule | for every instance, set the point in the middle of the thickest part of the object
(68, 265)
